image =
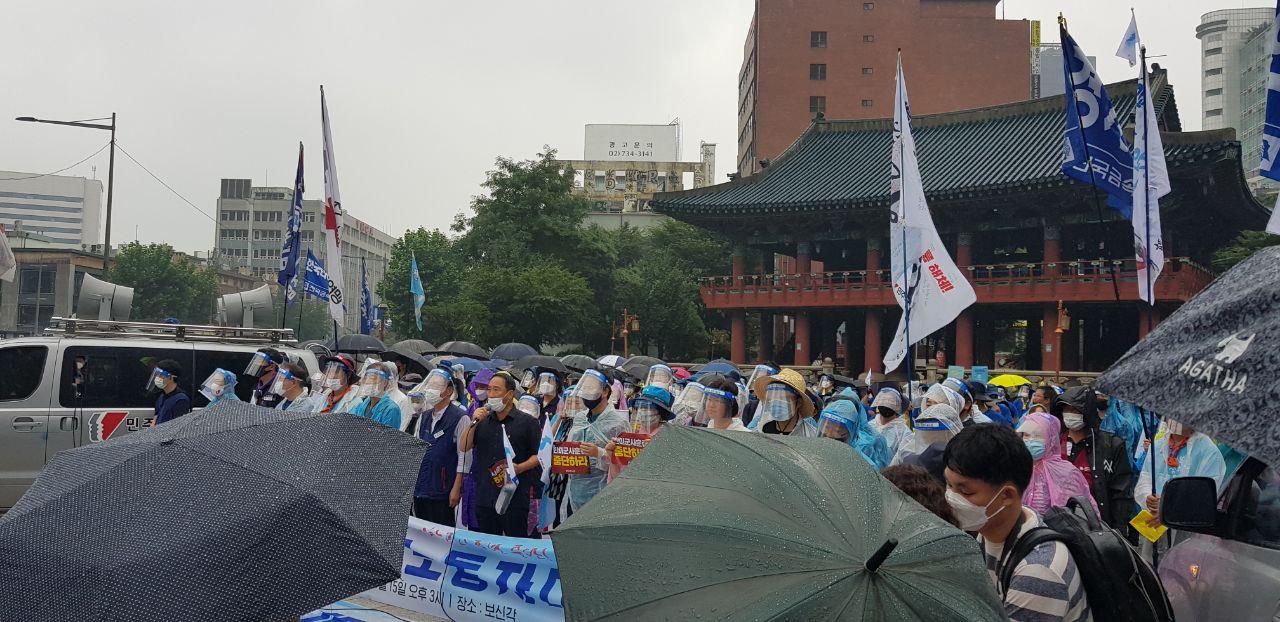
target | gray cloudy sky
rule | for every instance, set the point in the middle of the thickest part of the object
(422, 94)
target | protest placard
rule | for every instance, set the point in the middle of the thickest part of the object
(569, 458)
(628, 445)
(426, 546)
(494, 578)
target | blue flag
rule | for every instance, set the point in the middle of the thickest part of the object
(366, 302)
(415, 288)
(292, 240)
(1271, 125)
(1092, 135)
(314, 281)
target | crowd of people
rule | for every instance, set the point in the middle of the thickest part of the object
(990, 460)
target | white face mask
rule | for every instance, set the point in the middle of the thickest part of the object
(1073, 421)
(495, 405)
(972, 517)
(333, 384)
(1175, 428)
(159, 382)
(431, 397)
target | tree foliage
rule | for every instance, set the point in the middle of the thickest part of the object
(1247, 244)
(165, 285)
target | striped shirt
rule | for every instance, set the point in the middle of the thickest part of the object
(1045, 586)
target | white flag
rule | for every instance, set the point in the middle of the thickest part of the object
(1128, 49)
(8, 263)
(929, 287)
(510, 453)
(332, 219)
(1150, 182)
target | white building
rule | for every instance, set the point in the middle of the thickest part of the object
(250, 232)
(67, 211)
(1222, 35)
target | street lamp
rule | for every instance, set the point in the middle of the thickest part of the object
(111, 167)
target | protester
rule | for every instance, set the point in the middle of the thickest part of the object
(553, 507)
(1053, 480)
(662, 377)
(339, 374)
(761, 370)
(478, 389)
(826, 387)
(395, 395)
(688, 403)
(784, 408)
(943, 394)
(374, 402)
(441, 425)
(1100, 456)
(843, 419)
(1041, 399)
(220, 386)
(888, 422)
(263, 366)
(969, 414)
(720, 405)
(593, 425)
(173, 402)
(988, 469)
(1180, 452)
(934, 428)
(548, 387)
(918, 484)
(1125, 420)
(484, 438)
(988, 405)
(290, 387)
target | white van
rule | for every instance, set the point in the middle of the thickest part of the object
(86, 382)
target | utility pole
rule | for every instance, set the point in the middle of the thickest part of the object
(111, 168)
(630, 322)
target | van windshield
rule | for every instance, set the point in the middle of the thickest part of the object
(24, 367)
(1259, 522)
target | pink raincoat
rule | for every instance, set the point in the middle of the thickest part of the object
(1053, 479)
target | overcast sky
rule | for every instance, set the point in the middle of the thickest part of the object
(423, 94)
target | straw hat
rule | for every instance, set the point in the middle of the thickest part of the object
(792, 379)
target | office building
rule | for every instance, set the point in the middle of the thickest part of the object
(250, 232)
(1222, 36)
(1255, 70)
(805, 58)
(65, 210)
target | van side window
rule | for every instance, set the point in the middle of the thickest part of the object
(111, 377)
(23, 368)
(209, 360)
(1259, 522)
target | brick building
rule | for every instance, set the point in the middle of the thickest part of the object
(804, 57)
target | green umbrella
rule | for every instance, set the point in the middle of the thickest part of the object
(713, 525)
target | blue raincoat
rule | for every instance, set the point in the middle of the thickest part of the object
(386, 411)
(862, 437)
(1125, 421)
(1200, 458)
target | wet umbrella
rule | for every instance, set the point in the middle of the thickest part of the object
(359, 344)
(760, 527)
(513, 351)
(579, 362)
(416, 346)
(638, 366)
(234, 513)
(1214, 364)
(611, 360)
(1009, 380)
(540, 361)
(468, 364)
(464, 348)
(413, 362)
(718, 367)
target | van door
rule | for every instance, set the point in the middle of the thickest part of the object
(102, 391)
(24, 417)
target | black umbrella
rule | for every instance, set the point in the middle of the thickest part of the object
(416, 346)
(413, 362)
(579, 362)
(464, 348)
(359, 344)
(513, 351)
(234, 513)
(538, 360)
(638, 366)
(1215, 363)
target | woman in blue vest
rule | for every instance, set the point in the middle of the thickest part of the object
(441, 423)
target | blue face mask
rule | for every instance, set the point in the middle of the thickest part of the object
(1036, 447)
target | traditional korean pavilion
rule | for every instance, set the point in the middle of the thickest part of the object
(1032, 241)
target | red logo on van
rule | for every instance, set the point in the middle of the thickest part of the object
(103, 425)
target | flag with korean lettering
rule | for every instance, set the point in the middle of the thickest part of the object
(1268, 166)
(366, 302)
(288, 277)
(1092, 137)
(332, 219)
(926, 283)
(314, 280)
(1150, 182)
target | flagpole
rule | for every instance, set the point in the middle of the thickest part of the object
(1146, 209)
(1088, 160)
(906, 288)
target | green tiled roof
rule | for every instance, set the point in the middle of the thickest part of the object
(967, 154)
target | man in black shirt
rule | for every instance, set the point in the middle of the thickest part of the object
(489, 463)
(263, 366)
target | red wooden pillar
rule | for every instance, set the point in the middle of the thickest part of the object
(1142, 320)
(738, 318)
(803, 356)
(871, 342)
(803, 263)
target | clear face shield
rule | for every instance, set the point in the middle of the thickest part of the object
(374, 383)
(259, 365)
(221, 383)
(430, 392)
(335, 376)
(716, 404)
(590, 388)
(645, 417)
(527, 380)
(573, 406)
(779, 402)
(659, 376)
(825, 383)
(689, 403)
(157, 379)
(836, 427)
(283, 382)
(546, 384)
(529, 405)
(759, 372)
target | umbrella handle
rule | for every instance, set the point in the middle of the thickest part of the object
(877, 558)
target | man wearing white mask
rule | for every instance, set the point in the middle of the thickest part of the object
(439, 422)
(1100, 455)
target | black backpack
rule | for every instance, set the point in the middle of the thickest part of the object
(1118, 583)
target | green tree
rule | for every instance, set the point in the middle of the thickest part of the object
(165, 285)
(667, 303)
(538, 302)
(316, 322)
(1247, 244)
(441, 270)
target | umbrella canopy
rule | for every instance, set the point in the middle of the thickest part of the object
(718, 367)
(231, 503)
(611, 360)
(469, 364)
(541, 361)
(730, 525)
(638, 366)
(416, 346)
(414, 362)
(513, 351)
(1009, 380)
(463, 348)
(1212, 364)
(359, 344)
(579, 362)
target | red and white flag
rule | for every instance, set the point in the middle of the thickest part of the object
(332, 219)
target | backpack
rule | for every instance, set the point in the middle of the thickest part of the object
(1118, 583)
